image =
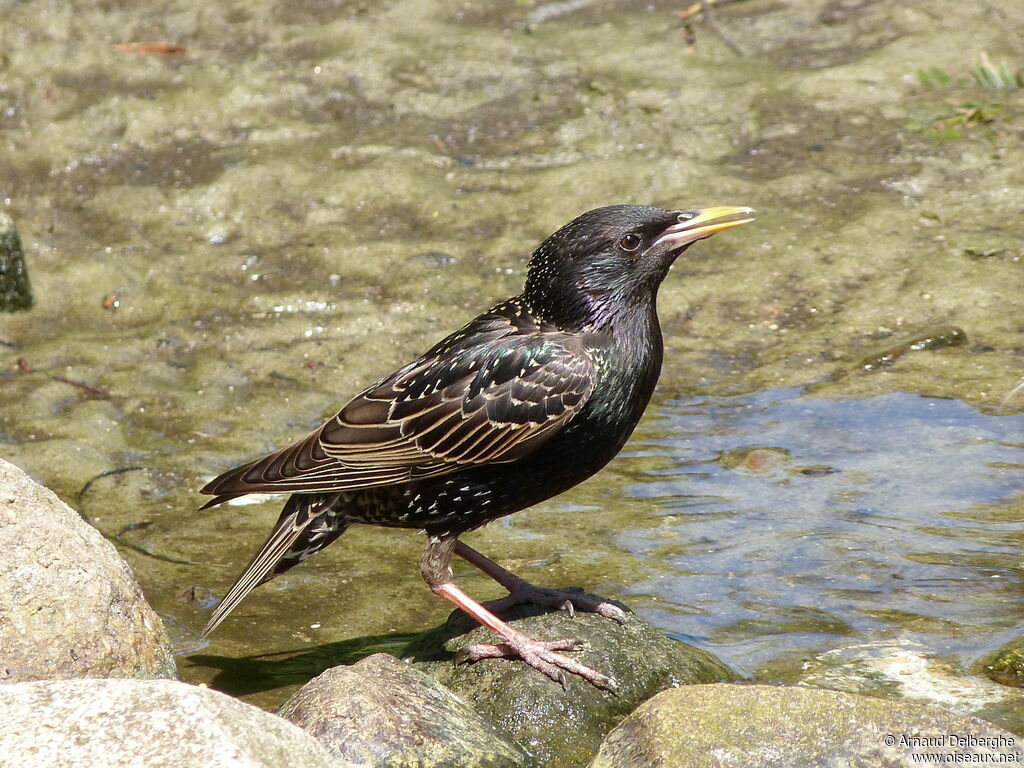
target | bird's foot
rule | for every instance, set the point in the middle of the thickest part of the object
(569, 599)
(541, 655)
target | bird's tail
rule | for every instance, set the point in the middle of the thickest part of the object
(308, 523)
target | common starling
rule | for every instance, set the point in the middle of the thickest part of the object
(527, 400)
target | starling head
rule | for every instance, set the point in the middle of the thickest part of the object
(612, 260)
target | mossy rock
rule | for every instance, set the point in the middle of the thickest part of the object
(707, 726)
(563, 728)
(15, 292)
(383, 713)
(1006, 665)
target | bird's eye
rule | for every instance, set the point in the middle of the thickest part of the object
(630, 242)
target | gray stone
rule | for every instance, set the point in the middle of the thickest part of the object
(381, 712)
(70, 605)
(15, 292)
(705, 726)
(145, 724)
(560, 727)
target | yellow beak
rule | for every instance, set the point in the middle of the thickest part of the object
(696, 225)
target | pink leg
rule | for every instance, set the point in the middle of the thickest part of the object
(522, 591)
(436, 568)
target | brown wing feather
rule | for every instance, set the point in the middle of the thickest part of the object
(475, 398)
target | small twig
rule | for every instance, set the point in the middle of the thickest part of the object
(703, 8)
(118, 538)
(696, 8)
(102, 394)
(164, 49)
(101, 475)
(709, 19)
(688, 13)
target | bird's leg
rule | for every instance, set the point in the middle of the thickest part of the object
(435, 565)
(521, 591)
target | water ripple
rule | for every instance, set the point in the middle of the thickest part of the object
(789, 522)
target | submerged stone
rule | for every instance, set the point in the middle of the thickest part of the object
(934, 338)
(563, 728)
(15, 291)
(756, 459)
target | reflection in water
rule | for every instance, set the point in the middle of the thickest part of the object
(792, 525)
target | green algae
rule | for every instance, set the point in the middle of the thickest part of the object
(15, 292)
(563, 728)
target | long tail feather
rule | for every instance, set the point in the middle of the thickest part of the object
(307, 524)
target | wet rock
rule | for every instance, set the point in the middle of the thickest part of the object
(143, 724)
(381, 712)
(71, 606)
(562, 728)
(769, 726)
(1006, 665)
(15, 292)
(756, 460)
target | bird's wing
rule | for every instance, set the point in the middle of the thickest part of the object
(476, 398)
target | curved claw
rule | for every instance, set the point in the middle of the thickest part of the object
(478, 651)
(610, 611)
(569, 599)
(541, 656)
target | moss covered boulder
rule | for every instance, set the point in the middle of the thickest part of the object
(708, 726)
(15, 293)
(382, 713)
(563, 728)
(1006, 665)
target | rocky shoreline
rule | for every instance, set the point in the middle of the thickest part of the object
(87, 677)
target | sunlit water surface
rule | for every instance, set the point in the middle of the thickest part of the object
(846, 542)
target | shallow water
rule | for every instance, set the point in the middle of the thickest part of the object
(225, 244)
(889, 523)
